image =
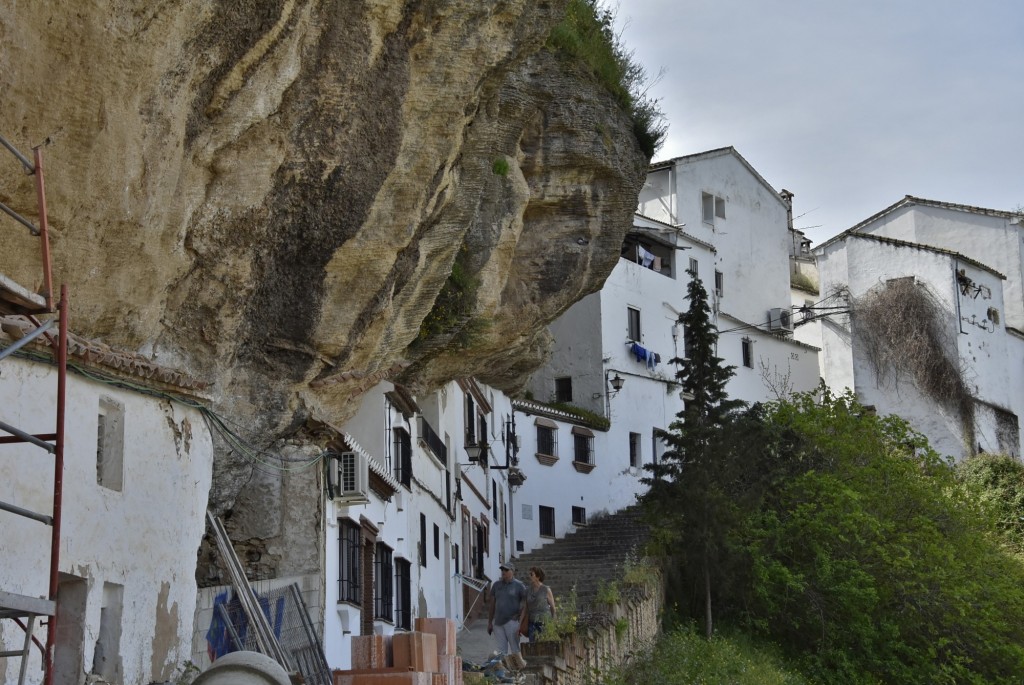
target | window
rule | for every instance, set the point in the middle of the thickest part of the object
(579, 516)
(694, 268)
(108, 643)
(479, 545)
(583, 448)
(546, 442)
(520, 546)
(748, 353)
(633, 316)
(712, 207)
(349, 548)
(437, 542)
(383, 577)
(403, 582)
(494, 499)
(403, 456)
(635, 458)
(656, 447)
(719, 283)
(563, 389)
(470, 420)
(687, 344)
(110, 444)
(547, 521)
(423, 541)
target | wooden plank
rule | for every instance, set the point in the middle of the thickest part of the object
(23, 605)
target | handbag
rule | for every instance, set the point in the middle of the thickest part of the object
(524, 625)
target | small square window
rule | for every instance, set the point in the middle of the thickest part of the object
(633, 316)
(579, 516)
(707, 204)
(563, 389)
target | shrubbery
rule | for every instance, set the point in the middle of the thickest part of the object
(839, 535)
(587, 34)
(859, 553)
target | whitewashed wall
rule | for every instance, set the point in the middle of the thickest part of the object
(989, 238)
(143, 538)
(984, 348)
(436, 591)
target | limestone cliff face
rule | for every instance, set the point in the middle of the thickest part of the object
(272, 194)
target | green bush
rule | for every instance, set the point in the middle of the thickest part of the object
(868, 564)
(997, 482)
(587, 34)
(682, 657)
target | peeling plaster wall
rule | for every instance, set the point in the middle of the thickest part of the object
(143, 538)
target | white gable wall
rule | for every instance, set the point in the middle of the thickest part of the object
(142, 539)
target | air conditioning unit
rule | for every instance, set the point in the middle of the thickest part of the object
(349, 477)
(780, 320)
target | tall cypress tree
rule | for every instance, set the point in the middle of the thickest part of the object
(689, 500)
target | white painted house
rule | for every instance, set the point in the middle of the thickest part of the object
(952, 252)
(710, 214)
(417, 514)
(137, 473)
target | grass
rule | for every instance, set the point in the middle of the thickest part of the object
(587, 34)
(683, 657)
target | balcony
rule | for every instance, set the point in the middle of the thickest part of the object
(429, 439)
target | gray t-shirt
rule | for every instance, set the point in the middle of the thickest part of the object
(508, 600)
(537, 604)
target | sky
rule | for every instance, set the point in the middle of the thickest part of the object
(850, 105)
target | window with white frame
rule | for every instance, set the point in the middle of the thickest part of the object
(719, 283)
(633, 323)
(712, 207)
(694, 268)
(403, 455)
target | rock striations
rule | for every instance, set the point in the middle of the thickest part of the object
(273, 195)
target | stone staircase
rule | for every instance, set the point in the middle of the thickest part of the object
(589, 557)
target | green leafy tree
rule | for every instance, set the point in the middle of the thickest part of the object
(997, 481)
(691, 500)
(869, 564)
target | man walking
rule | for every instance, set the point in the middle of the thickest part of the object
(507, 607)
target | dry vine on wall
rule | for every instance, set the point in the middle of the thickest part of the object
(904, 329)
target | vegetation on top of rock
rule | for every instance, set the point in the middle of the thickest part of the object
(588, 34)
(594, 420)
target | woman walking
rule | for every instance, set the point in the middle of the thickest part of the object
(540, 603)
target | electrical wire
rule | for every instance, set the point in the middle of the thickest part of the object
(215, 422)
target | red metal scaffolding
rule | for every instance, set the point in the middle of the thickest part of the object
(25, 610)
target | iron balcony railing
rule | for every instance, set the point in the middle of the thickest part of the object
(434, 443)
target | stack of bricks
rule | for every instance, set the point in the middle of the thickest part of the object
(426, 656)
